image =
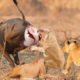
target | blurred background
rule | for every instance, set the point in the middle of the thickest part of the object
(38, 7)
(60, 16)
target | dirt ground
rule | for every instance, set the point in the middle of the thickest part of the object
(65, 21)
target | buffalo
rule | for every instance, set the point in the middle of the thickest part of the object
(15, 34)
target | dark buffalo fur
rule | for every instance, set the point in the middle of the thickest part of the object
(13, 29)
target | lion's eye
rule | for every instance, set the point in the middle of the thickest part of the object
(68, 42)
(74, 41)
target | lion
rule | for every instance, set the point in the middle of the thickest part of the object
(36, 68)
(73, 49)
(53, 54)
(28, 71)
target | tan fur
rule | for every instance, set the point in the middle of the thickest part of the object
(73, 51)
(54, 56)
(31, 70)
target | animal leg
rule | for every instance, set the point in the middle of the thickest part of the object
(68, 65)
(14, 73)
(16, 58)
(7, 56)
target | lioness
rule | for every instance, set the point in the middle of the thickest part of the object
(72, 48)
(26, 71)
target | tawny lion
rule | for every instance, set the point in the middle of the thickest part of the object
(72, 48)
(54, 57)
(26, 71)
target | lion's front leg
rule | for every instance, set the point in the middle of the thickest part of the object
(68, 65)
